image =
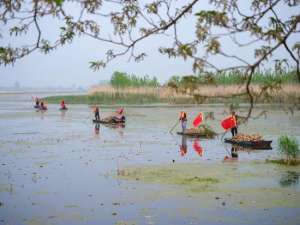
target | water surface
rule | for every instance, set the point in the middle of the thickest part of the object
(57, 168)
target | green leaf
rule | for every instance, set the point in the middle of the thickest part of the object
(2, 50)
(59, 2)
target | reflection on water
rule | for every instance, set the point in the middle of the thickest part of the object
(197, 147)
(289, 178)
(183, 147)
(119, 128)
(114, 126)
(233, 154)
(41, 113)
(97, 128)
(62, 114)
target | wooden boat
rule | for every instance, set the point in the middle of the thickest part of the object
(109, 122)
(194, 134)
(197, 134)
(203, 131)
(42, 108)
(114, 125)
(261, 144)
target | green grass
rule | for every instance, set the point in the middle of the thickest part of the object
(288, 147)
(258, 78)
(140, 99)
(121, 80)
(283, 162)
(105, 98)
(197, 180)
(233, 78)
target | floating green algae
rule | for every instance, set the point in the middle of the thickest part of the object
(173, 175)
(197, 180)
(295, 162)
(245, 184)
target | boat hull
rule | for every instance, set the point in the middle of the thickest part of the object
(195, 135)
(262, 144)
(108, 122)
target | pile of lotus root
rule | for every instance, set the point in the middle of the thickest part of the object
(247, 137)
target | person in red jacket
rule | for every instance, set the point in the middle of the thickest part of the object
(63, 105)
(119, 116)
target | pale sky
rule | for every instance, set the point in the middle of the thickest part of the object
(68, 65)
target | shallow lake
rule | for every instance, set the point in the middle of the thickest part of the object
(58, 168)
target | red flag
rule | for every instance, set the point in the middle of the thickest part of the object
(197, 147)
(228, 123)
(198, 120)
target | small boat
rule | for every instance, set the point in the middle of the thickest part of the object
(195, 134)
(109, 122)
(114, 125)
(261, 144)
(203, 131)
(63, 109)
(43, 108)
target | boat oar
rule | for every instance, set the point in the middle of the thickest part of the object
(224, 135)
(174, 126)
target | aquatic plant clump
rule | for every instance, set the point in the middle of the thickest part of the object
(197, 180)
(204, 130)
(193, 177)
(283, 162)
(290, 178)
(288, 147)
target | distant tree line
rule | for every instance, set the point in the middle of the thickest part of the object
(231, 78)
(122, 80)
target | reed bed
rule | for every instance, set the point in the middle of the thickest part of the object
(106, 94)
